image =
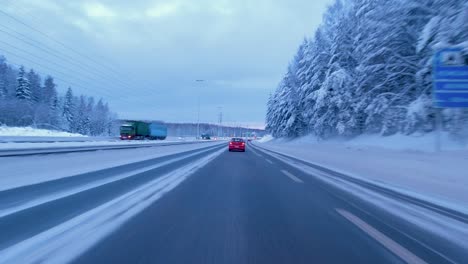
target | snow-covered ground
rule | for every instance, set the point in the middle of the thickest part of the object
(28, 137)
(266, 139)
(21, 171)
(34, 132)
(43, 142)
(56, 244)
(399, 163)
(425, 142)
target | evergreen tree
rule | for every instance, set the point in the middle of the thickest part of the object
(23, 90)
(35, 84)
(3, 74)
(69, 110)
(82, 121)
(50, 93)
(368, 69)
(23, 102)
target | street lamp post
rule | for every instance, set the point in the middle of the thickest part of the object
(220, 122)
(198, 112)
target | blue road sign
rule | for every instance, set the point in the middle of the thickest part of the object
(450, 78)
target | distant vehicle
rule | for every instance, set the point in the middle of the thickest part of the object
(237, 144)
(206, 136)
(142, 130)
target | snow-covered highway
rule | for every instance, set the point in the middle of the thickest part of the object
(29, 149)
(199, 203)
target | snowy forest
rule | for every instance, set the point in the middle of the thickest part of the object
(28, 100)
(367, 69)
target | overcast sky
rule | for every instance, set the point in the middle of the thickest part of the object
(143, 56)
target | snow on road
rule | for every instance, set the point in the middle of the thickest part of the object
(437, 177)
(21, 171)
(58, 245)
(91, 142)
(56, 194)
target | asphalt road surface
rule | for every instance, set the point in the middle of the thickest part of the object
(252, 208)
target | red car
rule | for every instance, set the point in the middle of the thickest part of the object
(237, 144)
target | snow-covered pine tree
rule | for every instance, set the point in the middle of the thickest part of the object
(23, 89)
(292, 113)
(270, 115)
(90, 112)
(50, 92)
(99, 119)
(3, 77)
(69, 110)
(317, 71)
(35, 84)
(273, 117)
(81, 120)
(362, 73)
(50, 98)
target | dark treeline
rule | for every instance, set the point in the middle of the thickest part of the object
(190, 130)
(368, 69)
(28, 99)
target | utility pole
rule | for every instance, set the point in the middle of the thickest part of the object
(220, 121)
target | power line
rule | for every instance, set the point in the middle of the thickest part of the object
(37, 57)
(70, 84)
(57, 54)
(25, 12)
(54, 54)
(56, 41)
(43, 66)
(74, 84)
(124, 95)
(60, 43)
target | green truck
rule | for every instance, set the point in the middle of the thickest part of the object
(139, 130)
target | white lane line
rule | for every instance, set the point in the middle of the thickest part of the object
(387, 242)
(292, 177)
(259, 155)
(269, 161)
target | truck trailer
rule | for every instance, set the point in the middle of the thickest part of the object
(139, 130)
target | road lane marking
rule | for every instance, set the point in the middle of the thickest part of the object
(387, 242)
(269, 161)
(255, 152)
(292, 177)
(258, 155)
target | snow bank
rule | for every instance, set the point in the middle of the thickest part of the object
(266, 138)
(424, 142)
(438, 177)
(34, 132)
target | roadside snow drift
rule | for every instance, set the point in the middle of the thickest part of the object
(34, 132)
(441, 178)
